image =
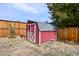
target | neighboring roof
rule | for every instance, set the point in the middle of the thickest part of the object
(45, 27)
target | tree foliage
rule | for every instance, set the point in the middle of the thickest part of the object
(64, 14)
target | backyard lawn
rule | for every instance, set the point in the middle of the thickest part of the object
(20, 47)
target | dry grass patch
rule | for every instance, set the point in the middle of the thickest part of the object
(20, 47)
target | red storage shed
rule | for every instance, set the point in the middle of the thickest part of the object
(40, 32)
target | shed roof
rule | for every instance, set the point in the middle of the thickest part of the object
(45, 26)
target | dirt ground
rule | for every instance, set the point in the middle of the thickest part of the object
(20, 47)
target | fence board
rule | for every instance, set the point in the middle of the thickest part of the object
(17, 31)
(20, 28)
(23, 32)
(69, 34)
(23, 25)
(17, 25)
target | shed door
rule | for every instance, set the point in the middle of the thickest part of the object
(32, 33)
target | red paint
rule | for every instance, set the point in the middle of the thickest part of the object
(45, 35)
(37, 34)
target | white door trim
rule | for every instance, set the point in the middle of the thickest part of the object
(34, 31)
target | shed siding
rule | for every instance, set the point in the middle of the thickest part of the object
(41, 36)
(47, 35)
(37, 34)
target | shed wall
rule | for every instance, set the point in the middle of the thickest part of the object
(37, 34)
(47, 36)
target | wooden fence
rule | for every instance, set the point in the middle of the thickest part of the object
(69, 34)
(20, 28)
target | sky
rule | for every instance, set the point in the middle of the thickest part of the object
(24, 12)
